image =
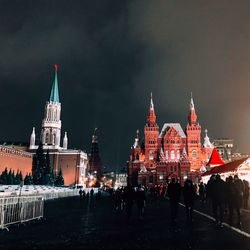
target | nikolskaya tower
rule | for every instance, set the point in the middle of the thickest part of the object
(72, 162)
(51, 124)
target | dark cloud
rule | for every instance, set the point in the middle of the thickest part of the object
(112, 54)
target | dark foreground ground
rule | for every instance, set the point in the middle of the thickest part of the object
(71, 224)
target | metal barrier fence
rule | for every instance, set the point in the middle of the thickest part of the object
(55, 195)
(20, 209)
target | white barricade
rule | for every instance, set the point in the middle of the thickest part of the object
(20, 209)
(47, 192)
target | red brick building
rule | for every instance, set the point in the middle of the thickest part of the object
(169, 153)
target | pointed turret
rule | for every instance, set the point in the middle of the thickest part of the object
(54, 93)
(192, 117)
(151, 116)
(32, 139)
(207, 143)
(94, 136)
(184, 152)
(137, 139)
(65, 141)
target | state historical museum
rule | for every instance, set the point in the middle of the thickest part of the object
(171, 153)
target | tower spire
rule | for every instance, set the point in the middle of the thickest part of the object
(65, 141)
(192, 117)
(94, 136)
(33, 139)
(51, 124)
(192, 102)
(136, 143)
(54, 93)
(151, 116)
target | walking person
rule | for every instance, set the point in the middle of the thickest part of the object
(140, 201)
(174, 191)
(245, 194)
(128, 197)
(92, 193)
(117, 197)
(218, 196)
(80, 193)
(189, 198)
(231, 197)
(238, 200)
(202, 192)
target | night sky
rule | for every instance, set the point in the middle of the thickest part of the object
(111, 55)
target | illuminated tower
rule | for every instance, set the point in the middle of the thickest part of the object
(51, 124)
(95, 163)
(151, 133)
(193, 131)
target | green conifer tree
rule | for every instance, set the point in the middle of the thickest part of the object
(47, 172)
(39, 166)
(59, 181)
(4, 177)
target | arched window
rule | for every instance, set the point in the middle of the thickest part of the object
(172, 155)
(178, 154)
(151, 155)
(166, 155)
(54, 139)
(47, 138)
(185, 175)
(194, 154)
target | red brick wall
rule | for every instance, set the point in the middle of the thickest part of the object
(68, 163)
(15, 160)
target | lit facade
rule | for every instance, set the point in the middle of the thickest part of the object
(169, 153)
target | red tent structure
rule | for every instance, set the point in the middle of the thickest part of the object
(214, 160)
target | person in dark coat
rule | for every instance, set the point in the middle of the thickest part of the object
(217, 190)
(245, 194)
(202, 192)
(80, 193)
(238, 198)
(128, 197)
(174, 191)
(91, 193)
(209, 189)
(189, 198)
(117, 197)
(140, 201)
(230, 196)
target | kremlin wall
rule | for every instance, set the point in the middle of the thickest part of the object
(15, 159)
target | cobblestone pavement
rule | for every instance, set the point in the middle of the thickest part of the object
(94, 224)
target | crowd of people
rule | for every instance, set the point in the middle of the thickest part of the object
(227, 197)
(125, 197)
(223, 197)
